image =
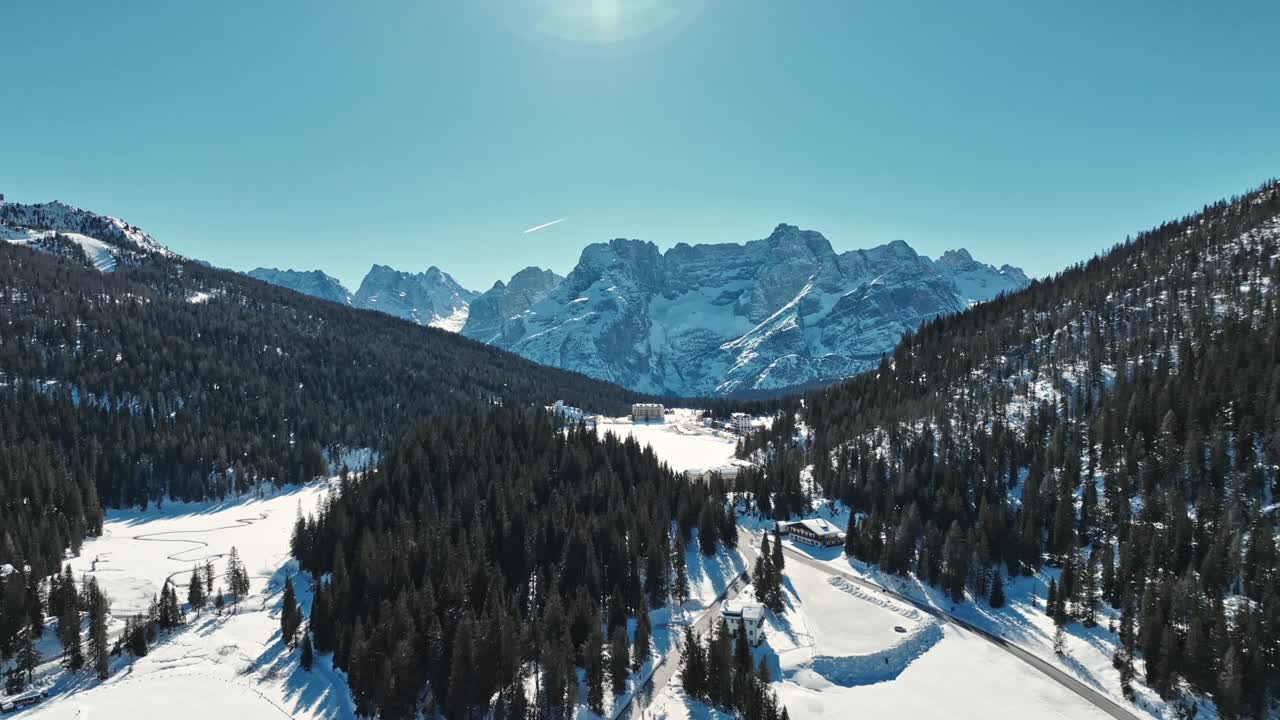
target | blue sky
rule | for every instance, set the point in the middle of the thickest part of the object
(334, 135)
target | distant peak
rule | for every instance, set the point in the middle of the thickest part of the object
(957, 255)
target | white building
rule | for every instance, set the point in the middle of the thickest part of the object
(568, 412)
(740, 423)
(814, 531)
(728, 473)
(647, 412)
(746, 615)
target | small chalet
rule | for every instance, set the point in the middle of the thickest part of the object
(814, 531)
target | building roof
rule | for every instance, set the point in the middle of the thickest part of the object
(817, 526)
(749, 611)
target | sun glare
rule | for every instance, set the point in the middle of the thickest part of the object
(603, 22)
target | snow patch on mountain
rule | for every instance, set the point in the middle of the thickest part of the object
(60, 216)
(430, 298)
(978, 281)
(60, 229)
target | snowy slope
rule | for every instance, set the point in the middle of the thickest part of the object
(60, 229)
(719, 319)
(61, 216)
(217, 666)
(837, 648)
(101, 255)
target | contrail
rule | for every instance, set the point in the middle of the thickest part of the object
(536, 228)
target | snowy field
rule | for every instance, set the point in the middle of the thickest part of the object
(837, 648)
(1021, 621)
(681, 441)
(218, 666)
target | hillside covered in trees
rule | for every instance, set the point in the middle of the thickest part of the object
(1120, 421)
(168, 379)
(487, 548)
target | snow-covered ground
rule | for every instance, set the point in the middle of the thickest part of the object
(836, 652)
(1023, 621)
(101, 255)
(837, 648)
(680, 440)
(218, 666)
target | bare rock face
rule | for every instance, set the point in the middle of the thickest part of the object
(430, 298)
(307, 282)
(494, 307)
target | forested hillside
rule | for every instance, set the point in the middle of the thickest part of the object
(1120, 421)
(485, 547)
(168, 379)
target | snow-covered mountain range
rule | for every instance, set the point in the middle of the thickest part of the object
(694, 320)
(428, 298)
(718, 319)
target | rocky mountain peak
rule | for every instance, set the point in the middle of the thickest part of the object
(724, 318)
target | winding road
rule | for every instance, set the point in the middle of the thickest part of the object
(669, 664)
(1097, 699)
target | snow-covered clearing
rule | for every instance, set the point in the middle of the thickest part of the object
(681, 440)
(1023, 622)
(836, 649)
(217, 666)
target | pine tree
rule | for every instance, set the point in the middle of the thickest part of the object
(693, 671)
(851, 536)
(997, 592)
(136, 637)
(195, 591)
(707, 530)
(720, 667)
(28, 659)
(208, 577)
(69, 622)
(593, 663)
(237, 576)
(462, 668)
(1059, 642)
(619, 655)
(680, 589)
(306, 659)
(641, 649)
(290, 613)
(98, 649)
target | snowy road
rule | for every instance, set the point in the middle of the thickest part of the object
(1097, 699)
(670, 664)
